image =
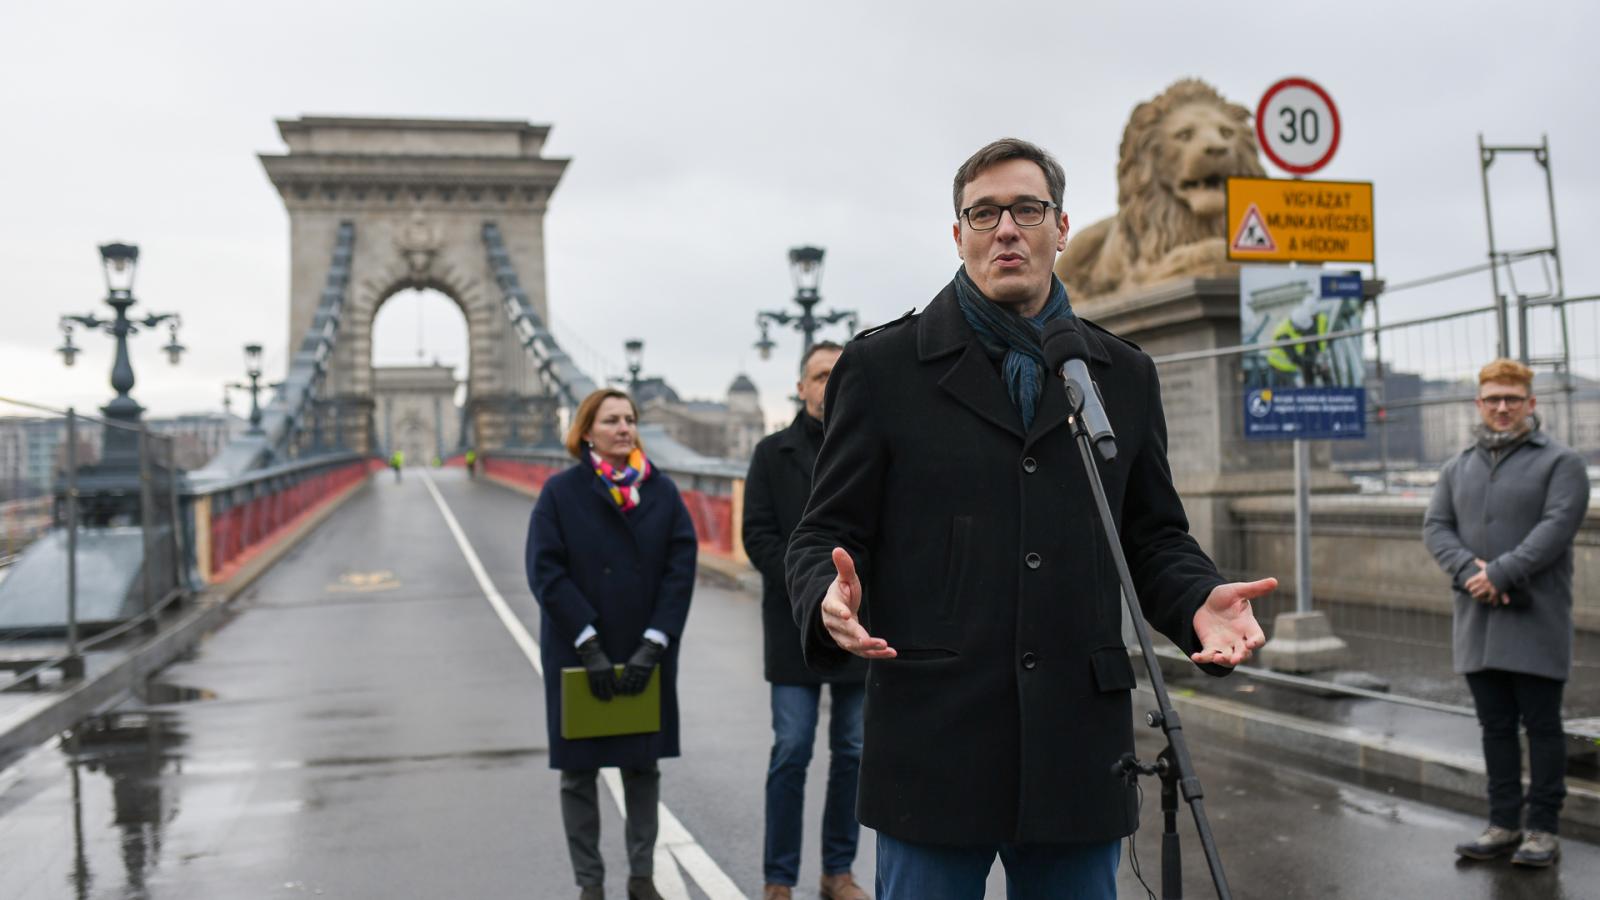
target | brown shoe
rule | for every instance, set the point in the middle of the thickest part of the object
(842, 887)
(777, 892)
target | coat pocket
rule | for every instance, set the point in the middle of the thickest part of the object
(957, 565)
(1112, 670)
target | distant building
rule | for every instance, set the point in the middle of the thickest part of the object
(198, 436)
(33, 450)
(416, 412)
(726, 430)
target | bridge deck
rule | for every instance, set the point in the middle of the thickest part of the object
(371, 729)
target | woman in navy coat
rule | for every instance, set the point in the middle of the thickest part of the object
(611, 560)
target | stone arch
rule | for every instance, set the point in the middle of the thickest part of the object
(418, 193)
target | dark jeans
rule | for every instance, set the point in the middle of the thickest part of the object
(794, 730)
(580, 815)
(908, 871)
(1501, 699)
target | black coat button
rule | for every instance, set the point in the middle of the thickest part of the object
(1029, 465)
(1029, 660)
(1033, 560)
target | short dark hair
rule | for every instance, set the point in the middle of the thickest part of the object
(818, 346)
(1055, 178)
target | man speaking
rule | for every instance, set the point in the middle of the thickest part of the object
(951, 540)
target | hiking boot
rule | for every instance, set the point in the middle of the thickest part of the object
(842, 887)
(642, 887)
(1493, 842)
(777, 892)
(592, 892)
(1539, 850)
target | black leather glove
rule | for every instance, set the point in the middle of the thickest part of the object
(636, 675)
(602, 677)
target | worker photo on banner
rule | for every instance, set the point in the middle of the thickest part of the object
(1279, 303)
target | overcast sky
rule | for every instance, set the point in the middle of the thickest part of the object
(707, 138)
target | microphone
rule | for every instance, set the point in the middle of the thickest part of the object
(1065, 351)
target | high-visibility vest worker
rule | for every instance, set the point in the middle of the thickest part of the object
(1292, 360)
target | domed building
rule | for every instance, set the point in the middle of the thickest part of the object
(727, 430)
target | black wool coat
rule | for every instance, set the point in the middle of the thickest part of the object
(982, 562)
(589, 563)
(775, 492)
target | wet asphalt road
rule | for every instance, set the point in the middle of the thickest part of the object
(365, 727)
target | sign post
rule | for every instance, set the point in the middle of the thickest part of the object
(1306, 388)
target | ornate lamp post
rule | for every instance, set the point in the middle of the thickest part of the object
(252, 370)
(805, 266)
(121, 262)
(633, 352)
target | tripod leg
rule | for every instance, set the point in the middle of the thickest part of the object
(1171, 860)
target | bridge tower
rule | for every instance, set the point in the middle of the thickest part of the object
(455, 205)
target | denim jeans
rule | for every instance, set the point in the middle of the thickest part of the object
(1501, 699)
(908, 871)
(794, 730)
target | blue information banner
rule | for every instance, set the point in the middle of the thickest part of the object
(1342, 284)
(1287, 414)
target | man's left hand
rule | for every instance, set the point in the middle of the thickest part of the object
(1227, 626)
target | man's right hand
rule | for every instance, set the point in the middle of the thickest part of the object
(839, 609)
(1482, 589)
(602, 677)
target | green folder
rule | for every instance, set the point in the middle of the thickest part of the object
(583, 715)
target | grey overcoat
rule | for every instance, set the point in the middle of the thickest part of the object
(1520, 516)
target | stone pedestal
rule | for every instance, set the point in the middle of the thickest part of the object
(1303, 642)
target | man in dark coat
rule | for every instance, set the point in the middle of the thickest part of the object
(775, 495)
(1501, 524)
(951, 539)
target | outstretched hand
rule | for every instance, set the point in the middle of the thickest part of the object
(1227, 626)
(839, 608)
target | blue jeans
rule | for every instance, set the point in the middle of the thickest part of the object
(908, 871)
(794, 730)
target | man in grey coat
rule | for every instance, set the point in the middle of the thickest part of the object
(1501, 525)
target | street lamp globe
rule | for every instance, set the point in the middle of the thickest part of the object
(252, 359)
(121, 261)
(68, 350)
(633, 352)
(174, 349)
(805, 265)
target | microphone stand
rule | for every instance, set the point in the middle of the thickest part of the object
(1173, 766)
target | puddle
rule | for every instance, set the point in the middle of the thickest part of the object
(161, 693)
(117, 763)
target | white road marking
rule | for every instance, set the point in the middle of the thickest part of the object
(674, 841)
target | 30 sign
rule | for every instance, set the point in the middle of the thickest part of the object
(1297, 126)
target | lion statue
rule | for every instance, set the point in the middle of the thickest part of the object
(1172, 199)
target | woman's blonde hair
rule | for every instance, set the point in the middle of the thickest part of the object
(588, 410)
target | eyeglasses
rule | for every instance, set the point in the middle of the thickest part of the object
(1026, 213)
(1512, 401)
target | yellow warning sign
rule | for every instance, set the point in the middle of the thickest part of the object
(1282, 220)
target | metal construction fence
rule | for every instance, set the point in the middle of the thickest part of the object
(1370, 573)
(122, 537)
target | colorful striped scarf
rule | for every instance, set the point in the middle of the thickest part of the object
(623, 485)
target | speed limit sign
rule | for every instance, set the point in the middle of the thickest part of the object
(1297, 125)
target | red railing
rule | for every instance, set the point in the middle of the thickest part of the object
(242, 530)
(712, 513)
(517, 471)
(713, 520)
